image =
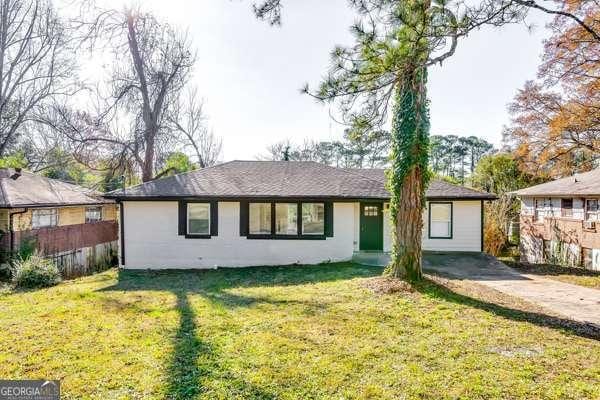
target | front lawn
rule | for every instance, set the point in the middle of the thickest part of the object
(307, 332)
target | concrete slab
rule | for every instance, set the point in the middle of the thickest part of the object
(575, 302)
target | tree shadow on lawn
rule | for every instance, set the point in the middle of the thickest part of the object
(438, 291)
(195, 359)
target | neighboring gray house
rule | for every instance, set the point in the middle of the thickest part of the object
(245, 213)
(560, 221)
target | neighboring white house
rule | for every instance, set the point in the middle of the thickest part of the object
(244, 213)
(560, 221)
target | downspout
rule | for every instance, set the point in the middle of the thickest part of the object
(482, 232)
(10, 227)
(122, 231)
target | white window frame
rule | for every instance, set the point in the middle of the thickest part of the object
(35, 224)
(188, 219)
(596, 213)
(562, 209)
(87, 221)
(450, 221)
(539, 213)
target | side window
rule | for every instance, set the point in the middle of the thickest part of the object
(567, 208)
(44, 218)
(93, 214)
(198, 215)
(538, 210)
(440, 220)
(591, 210)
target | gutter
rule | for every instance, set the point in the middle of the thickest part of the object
(10, 227)
(54, 205)
(290, 198)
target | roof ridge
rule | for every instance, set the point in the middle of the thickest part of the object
(57, 180)
(462, 186)
(587, 182)
(173, 176)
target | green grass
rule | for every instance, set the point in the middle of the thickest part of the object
(576, 276)
(307, 332)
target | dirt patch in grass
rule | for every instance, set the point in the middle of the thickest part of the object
(387, 285)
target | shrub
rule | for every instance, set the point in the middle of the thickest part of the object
(5, 271)
(494, 238)
(35, 271)
(26, 248)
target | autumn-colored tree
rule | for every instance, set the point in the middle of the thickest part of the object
(555, 127)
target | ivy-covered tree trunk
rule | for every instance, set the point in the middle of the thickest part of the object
(408, 174)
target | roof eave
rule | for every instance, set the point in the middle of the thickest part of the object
(42, 205)
(518, 194)
(247, 197)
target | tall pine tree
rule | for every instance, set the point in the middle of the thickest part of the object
(388, 66)
(396, 41)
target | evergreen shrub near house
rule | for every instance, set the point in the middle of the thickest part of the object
(27, 247)
(5, 272)
(35, 271)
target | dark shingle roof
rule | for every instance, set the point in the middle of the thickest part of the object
(25, 189)
(437, 189)
(287, 179)
(585, 184)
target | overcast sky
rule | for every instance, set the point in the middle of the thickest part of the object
(250, 73)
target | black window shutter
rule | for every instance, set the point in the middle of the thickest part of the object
(329, 219)
(243, 218)
(182, 218)
(214, 218)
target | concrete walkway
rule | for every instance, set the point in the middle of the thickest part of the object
(575, 302)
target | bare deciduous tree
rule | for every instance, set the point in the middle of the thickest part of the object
(36, 65)
(189, 120)
(152, 64)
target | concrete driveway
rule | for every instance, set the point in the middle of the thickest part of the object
(575, 302)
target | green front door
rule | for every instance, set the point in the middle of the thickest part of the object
(371, 226)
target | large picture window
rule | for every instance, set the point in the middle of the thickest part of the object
(198, 215)
(286, 218)
(440, 220)
(44, 218)
(259, 218)
(313, 218)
